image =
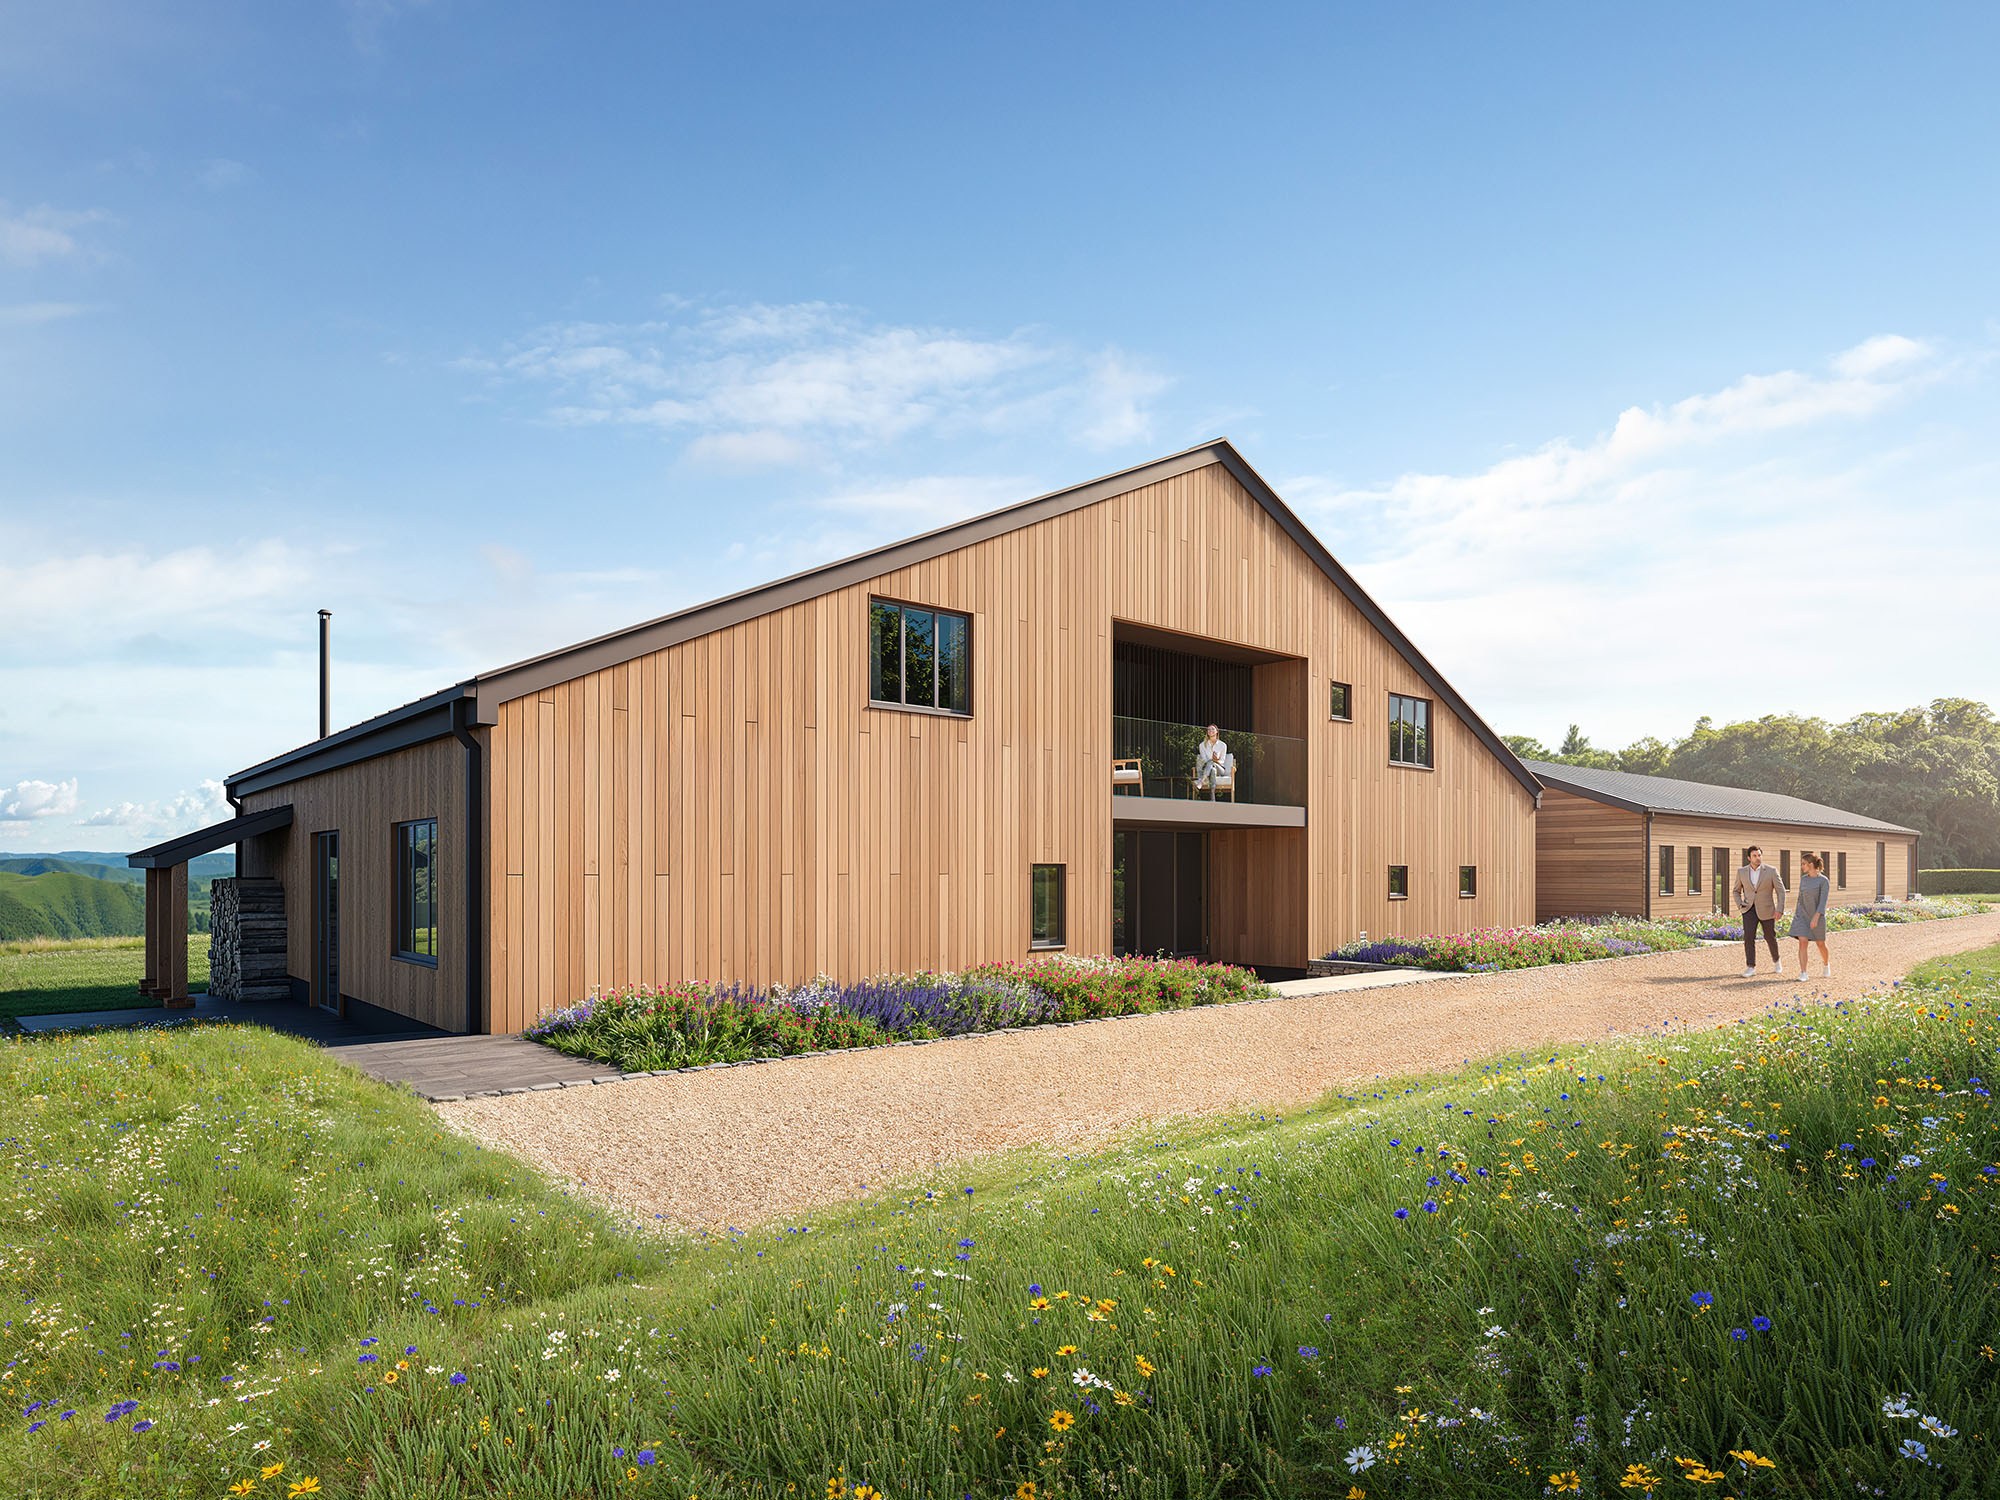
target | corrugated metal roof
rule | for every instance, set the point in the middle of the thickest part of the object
(1663, 794)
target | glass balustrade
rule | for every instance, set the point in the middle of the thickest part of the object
(1270, 768)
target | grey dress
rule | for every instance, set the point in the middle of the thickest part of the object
(1810, 902)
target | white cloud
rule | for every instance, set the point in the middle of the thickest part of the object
(20, 314)
(206, 804)
(27, 800)
(219, 173)
(1609, 576)
(761, 384)
(42, 233)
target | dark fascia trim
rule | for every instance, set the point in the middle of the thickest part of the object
(180, 850)
(536, 673)
(1718, 817)
(412, 724)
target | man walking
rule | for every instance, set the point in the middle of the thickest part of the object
(1760, 896)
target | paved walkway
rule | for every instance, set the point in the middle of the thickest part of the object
(734, 1145)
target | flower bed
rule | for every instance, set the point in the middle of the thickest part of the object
(1560, 942)
(642, 1028)
(1922, 909)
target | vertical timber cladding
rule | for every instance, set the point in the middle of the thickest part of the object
(365, 801)
(1735, 836)
(732, 809)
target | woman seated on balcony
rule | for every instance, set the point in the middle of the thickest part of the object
(1211, 761)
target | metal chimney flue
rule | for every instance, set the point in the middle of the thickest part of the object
(325, 673)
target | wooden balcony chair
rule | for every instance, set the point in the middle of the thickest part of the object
(1128, 774)
(1224, 781)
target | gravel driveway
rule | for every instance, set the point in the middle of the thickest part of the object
(735, 1145)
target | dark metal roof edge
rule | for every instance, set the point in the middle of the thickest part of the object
(1311, 545)
(413, 724)
(1556, 784)
(1869, 825)
(206, 840)
(538, 672)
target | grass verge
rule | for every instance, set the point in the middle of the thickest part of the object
(43, 978)
(1763, 1254)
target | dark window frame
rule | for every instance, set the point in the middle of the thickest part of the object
(1399, 875)
(403, 935)
(1667, 869)
(1842, 857)
(1468, 882)
(1340, 702)
(1785, 868)
(1694, 869)
(1410, 735)
(1060, 939)
(903, 607)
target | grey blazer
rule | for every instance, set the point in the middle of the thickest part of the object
(1809, 910)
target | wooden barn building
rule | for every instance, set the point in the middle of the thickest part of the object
(973, 745)
(1613, 841)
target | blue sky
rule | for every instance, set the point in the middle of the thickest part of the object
(1575, 332)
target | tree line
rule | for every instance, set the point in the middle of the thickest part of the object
(1934, 769)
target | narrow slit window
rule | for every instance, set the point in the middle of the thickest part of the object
(1045, 906)
(1843, 869)
(1399, 882)
(919, 658)
(1468, 881)
(1694, 869)
(1666, 869)
(416, 891)
(1341, 707)
(1785, 867)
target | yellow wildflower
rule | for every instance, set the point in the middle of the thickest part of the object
(1062, 1421)
(1749, 1459)
(1039, 1371)
(1567, 1480)
(305, 1486)
(1146, 1366)
(272, 1471)
(1066, 1349)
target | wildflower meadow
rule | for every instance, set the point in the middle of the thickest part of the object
(1759, 1260)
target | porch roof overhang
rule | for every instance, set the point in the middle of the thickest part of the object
(1190, 813)
(206, 840)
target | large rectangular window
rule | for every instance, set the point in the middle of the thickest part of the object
(919, 658)
(1666, 869)
(416, 891)
(1399, 882)
(1409, 731)
(1694, 869)
(1468, 880)
(1045, 906)
(1341, 709)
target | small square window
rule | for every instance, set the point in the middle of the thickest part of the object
(1399, 882)
(1341, 707)
(1045, 906)
(1468, 880)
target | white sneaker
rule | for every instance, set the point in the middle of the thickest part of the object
(1802, 975)
(1777, 969)
(1749, 973)
(1826, 971)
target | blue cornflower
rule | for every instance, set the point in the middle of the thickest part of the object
(411, 1350)
(1034, 1288)
(366, 1359)
(1402, 1213)
(916, 1351)
(1738, 1334)
(1260, 1371)
(1484, 1173)
(1762, 1325)
(1430, 1205)
(1702, 1299)
(965, 1244)
(645, 1458)
(1867, 1161)
(1306, 1351)
(458, 1380)
(617, 1452)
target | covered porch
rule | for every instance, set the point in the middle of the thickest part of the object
(166, 867)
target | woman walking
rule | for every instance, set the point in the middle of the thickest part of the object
(1809, 914)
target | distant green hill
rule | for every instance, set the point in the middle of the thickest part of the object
(50, 864)
(62, 904)
(201, 869)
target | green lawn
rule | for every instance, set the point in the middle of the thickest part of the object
(1981, 965)
(39, 978)
(1525, 1277)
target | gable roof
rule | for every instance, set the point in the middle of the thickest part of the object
(489, 690)
(1663, 794)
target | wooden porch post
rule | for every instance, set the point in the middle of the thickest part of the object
(176, 978)
(149, 986)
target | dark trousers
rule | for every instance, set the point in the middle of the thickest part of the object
(1751, 922)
